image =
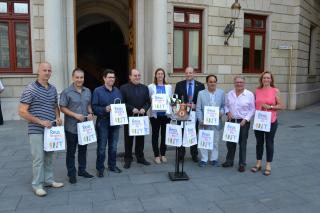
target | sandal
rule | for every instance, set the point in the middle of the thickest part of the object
(267, 172)
(255, 169)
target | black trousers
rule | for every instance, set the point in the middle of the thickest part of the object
(128, 144)
(268, 138)
(159, 124)
(243, 137)
(72, 144)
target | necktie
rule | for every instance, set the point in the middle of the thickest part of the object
(190, 92)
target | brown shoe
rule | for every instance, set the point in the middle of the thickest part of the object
(241, 168)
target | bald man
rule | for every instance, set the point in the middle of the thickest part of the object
(39, 106)
(136, 97)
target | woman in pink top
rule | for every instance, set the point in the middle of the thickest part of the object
(268, 99)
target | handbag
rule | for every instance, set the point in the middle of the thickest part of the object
(54, 139)
(262, 121)
(189, 135)
(211, 116)
(205, 139)
(118, 114)
(86, 133)
(139, 125)
(173, 135)
(231, 132)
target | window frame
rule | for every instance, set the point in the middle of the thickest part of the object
(12, 19)
(252, 31)
(186, 26)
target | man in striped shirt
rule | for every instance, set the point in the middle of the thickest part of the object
(39, 106)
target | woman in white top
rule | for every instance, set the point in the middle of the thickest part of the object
(159, 119)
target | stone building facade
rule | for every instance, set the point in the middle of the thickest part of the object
(145, 34)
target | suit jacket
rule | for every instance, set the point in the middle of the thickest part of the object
(181, 90)
(204, 100)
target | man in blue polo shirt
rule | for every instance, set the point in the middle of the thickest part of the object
(102, 97)
(75, 103)
(39, 106)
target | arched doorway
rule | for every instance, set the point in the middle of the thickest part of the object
(102, 46)
(102, 39)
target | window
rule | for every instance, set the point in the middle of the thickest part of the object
(187, 39)
(254, 39)
(312, 50)
(15, 46)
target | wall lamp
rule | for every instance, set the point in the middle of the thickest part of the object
(230, 28)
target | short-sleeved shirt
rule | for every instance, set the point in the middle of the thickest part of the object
(42, 104)
(76, 102)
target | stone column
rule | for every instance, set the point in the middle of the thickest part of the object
(54, 41)
(159, 35)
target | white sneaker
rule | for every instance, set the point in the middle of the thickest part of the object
(157, 160)
(56, 185)
(40, 192)
(164, 159)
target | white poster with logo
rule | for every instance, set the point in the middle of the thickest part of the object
(211, 116)
(159, 102)
(205, 139)
(189, 135)
(231, 132)
(262, 121)
(118, 115)
(86, 133)
(173, 135)
(54, 139)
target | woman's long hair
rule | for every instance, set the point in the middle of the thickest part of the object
(261, 76)
(155, 76)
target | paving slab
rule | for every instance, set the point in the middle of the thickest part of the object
(293, 186)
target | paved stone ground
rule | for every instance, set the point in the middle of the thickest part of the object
(294, 185)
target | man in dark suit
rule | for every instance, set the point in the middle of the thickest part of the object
(136, 97)
(189, 89)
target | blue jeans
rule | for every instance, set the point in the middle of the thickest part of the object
(72, 143)
(106, 135)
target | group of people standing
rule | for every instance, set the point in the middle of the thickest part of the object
(40, 107)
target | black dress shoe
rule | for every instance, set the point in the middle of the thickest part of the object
(115, 170)
(100, 174)
(127, 164)
(227, 164)
(195, 159)
(85, 174)
(72, 179)
(241, 168)
(144, 162)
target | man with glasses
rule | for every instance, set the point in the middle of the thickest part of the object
(102, 97)
(239, 108)
(136, 97)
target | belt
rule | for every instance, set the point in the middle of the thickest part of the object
(237, 120)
